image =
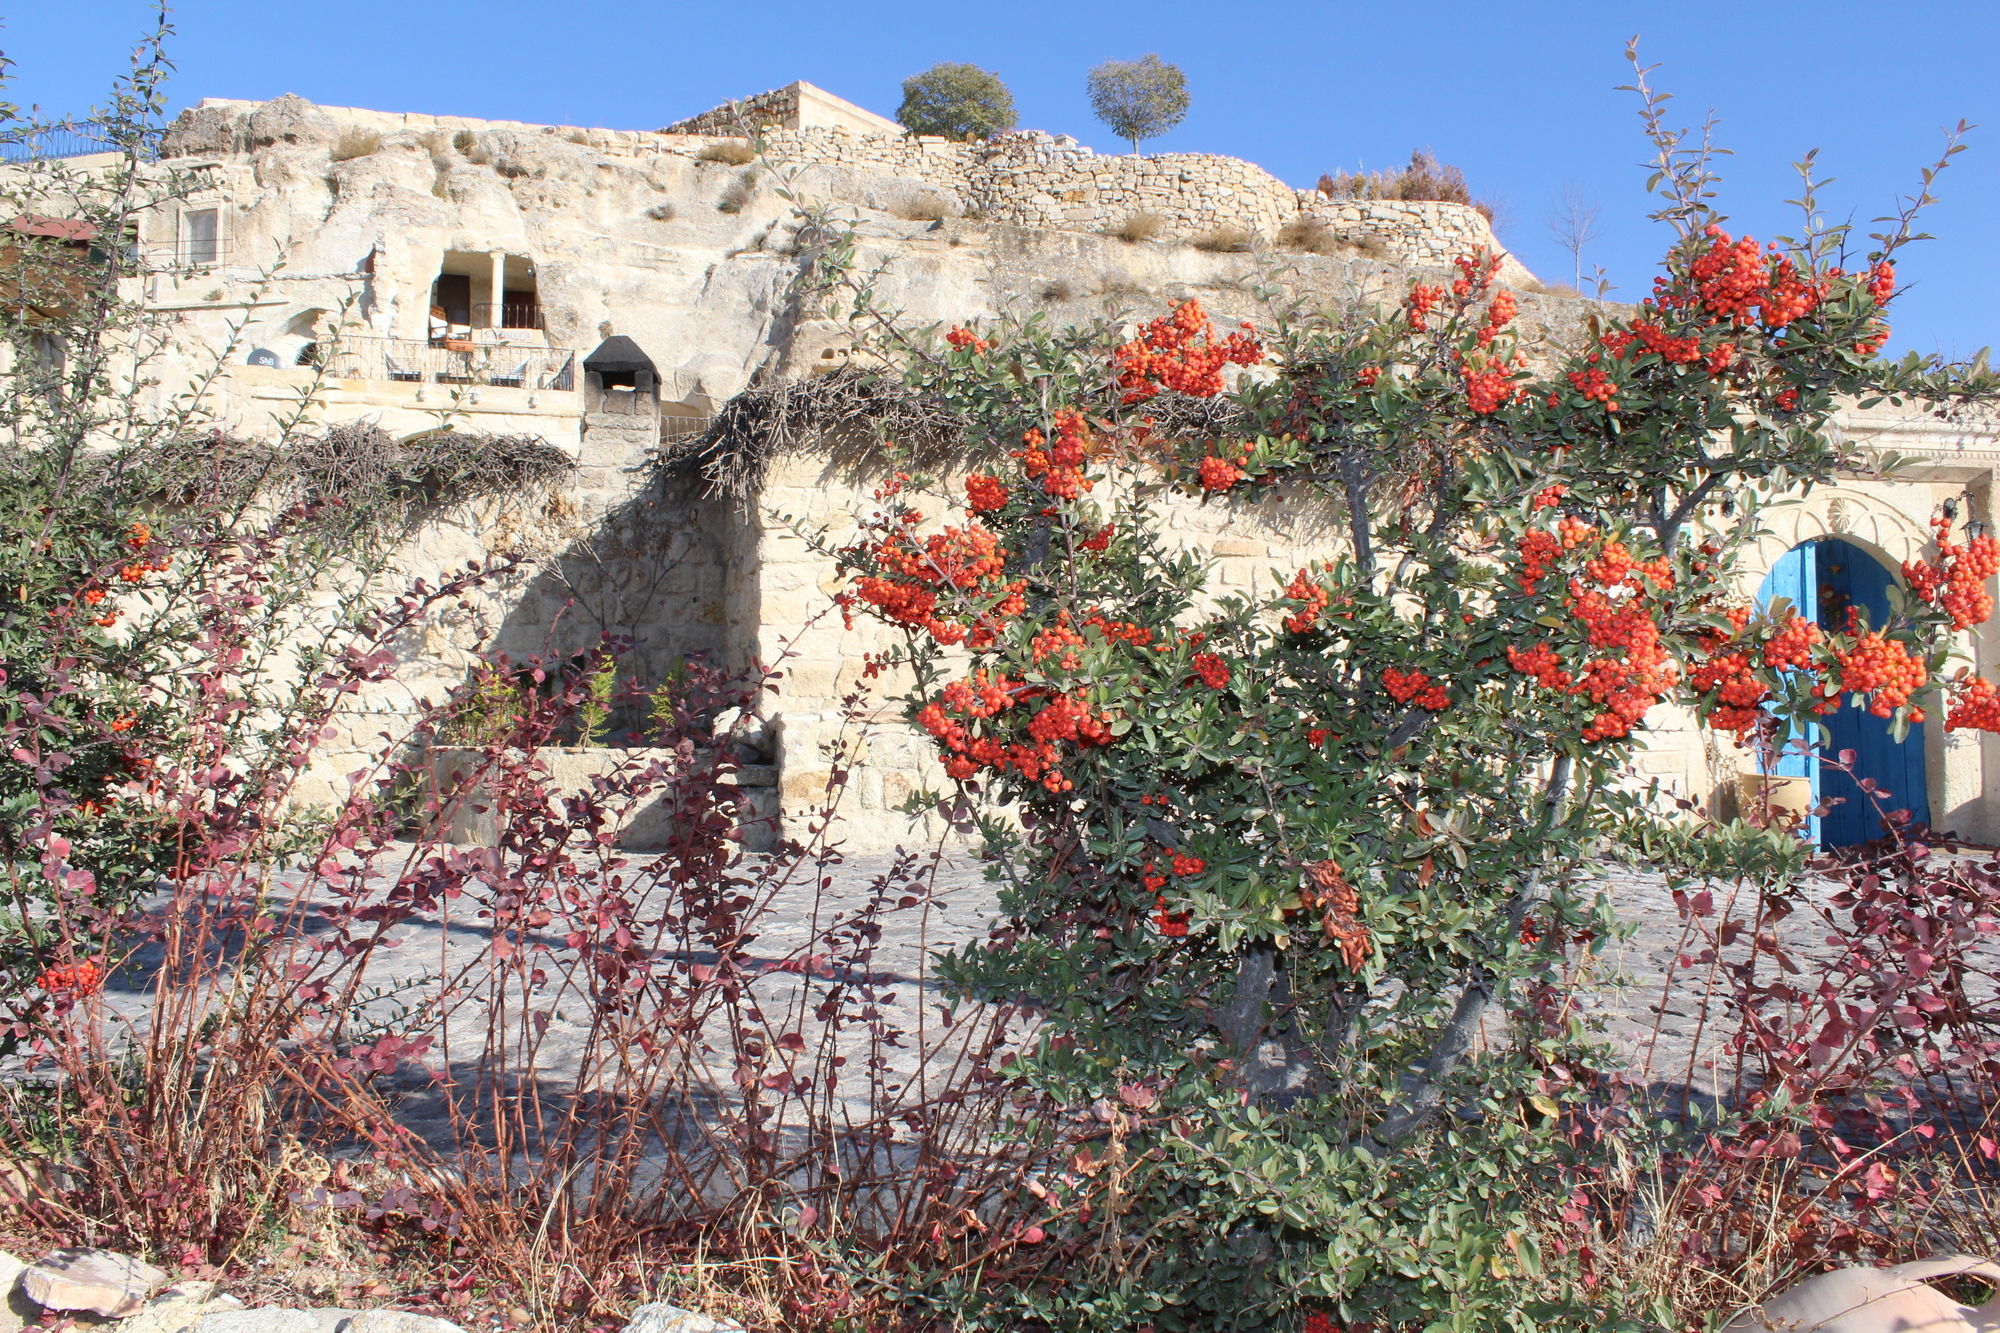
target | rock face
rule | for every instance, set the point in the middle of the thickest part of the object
(91, 1281)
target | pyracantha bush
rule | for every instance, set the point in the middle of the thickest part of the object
(1292, 876)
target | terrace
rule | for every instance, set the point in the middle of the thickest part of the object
(412, 361)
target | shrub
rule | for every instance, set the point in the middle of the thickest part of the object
(662, 212)
(1424, 179)
(1138, 99)
(1294, 876)
(1309, 235)
(463, 142)
(1060, 290)
(729, 152)
(1140, 227)
(956, 101)
(1225, 240)
(923, 208)
(738, 194)
(355, 143)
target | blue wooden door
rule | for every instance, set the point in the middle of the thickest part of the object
(1793, 579)
(1849, 576)
(1822, 579)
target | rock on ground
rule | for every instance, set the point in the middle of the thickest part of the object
(92, 1281)
(663, 1318)
(275, 1320)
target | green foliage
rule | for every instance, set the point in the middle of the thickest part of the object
(1138, 99)
(958, 101)
(1295, 879)
(600, 684)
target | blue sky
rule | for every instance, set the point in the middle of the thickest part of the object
(1520, 96)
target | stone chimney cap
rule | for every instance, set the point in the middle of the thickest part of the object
(616, 354)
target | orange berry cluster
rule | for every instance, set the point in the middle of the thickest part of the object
(984, 494)
(965, 561)
(1415, 687)
(1976, 706)
(1060, 642)
(1735, 280)
(1882, 667)
(1955, 582)
(1312, 600)
(1490, 387)
(1367, 376)
(1791, 647)
(1423, 300)
(1062, 719)
(1060, 467)
(963, 338)
(1179, 351)
(1739, 693)
(76, 979)
(1595, 385)
(1217, 474)
(1611, 598)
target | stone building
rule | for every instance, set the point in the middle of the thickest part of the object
(609, 291)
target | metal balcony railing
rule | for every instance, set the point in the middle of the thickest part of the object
(510, 315)
(407, 361)
(70, 138)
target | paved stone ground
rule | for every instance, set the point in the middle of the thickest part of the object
(795, 970)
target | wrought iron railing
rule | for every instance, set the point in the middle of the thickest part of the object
(405, 360)
(512, 315)
(70, 138)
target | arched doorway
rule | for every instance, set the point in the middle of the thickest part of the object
(1822, 579)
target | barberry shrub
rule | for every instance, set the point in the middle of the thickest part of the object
(1292, 879)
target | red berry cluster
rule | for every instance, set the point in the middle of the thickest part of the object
(1059, 467)
(962, 338)
(1214, 672)
(1179, 351)
(966, 562)
(1217, 474)
(1595, 385)
(1414, 686)
(1312, 600)
(1882, 667)
(1976, 706)
(1955, 582)
(984, 494)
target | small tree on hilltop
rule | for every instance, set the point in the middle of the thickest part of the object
(957, 101)
(1139, 99)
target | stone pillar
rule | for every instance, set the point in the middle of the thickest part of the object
(499, 288)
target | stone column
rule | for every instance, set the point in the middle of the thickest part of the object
(499, 288)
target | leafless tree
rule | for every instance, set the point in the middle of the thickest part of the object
(1573, 222)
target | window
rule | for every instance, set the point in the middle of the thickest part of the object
(201, 240)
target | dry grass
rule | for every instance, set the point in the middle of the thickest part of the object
(1139, 227)
(1309, 236)
(1060, 290)
(356, 143)
(738, 194)
(1561, 289)
(661, 212)
(1225, 240)
(730, 152)
(922, 208)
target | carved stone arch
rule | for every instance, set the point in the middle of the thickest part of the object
(1867, 521)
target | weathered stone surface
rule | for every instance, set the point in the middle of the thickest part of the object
(179, 1308)
(663, 1318)
(273, 1319)
(94, 1281)
(17, 1308)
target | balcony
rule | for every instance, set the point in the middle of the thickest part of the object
(407, 361)
(514, 314)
